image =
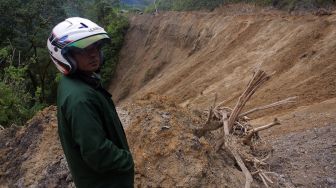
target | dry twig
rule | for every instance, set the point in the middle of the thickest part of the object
(276, 104)
(247, 139)
(248, 176)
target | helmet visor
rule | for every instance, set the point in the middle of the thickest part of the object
(83, 43)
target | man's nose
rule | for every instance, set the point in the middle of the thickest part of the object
(93, 53)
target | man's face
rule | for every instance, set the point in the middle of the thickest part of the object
(88, 59)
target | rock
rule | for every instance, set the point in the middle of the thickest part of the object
(331, 181)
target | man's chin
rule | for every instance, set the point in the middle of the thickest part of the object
(95, 67)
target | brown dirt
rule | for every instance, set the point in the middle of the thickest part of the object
(190, 56)
(160, 134)
(204, 53)
(32, 156)
(168, 154)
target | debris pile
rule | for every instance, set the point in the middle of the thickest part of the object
(167, 152)
(239, 139)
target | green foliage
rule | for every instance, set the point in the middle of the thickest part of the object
(28, 77)
(4, 53)
(179, 5)
(116, 28)
(302, 4)
(150, 9)
(15, 102)
(12, 110)
(106, 14)
(24, 59)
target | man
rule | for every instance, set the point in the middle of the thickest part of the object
(89, 128)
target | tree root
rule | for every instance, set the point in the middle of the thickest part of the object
(238, 132)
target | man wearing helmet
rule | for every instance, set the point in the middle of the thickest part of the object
(89, 128)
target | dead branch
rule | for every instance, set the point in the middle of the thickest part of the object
(266, 177)
(226, 124)
(215, 101)
(209, 116)
(229, 110)
(237, 130)
(217, 114)
(211, 126)
(258, 79)
(223, 140)
(222, 103)
(248, 176)
(263, 179)
(256, 162)
(247, 139)
(261, 128)
(276, 104)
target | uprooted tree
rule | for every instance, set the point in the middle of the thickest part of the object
(238, 138)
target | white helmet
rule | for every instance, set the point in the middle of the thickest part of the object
(73, 33)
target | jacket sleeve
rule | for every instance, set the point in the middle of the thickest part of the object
(97, 151)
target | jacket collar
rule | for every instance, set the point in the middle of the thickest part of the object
(94, 81)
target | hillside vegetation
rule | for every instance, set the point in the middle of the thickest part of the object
(28, 77)
(211, 4)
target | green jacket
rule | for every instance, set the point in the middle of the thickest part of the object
(92, 136)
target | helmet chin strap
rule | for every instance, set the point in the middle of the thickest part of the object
(101, 57)
(73, 63)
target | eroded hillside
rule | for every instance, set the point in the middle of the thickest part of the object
(190, 56)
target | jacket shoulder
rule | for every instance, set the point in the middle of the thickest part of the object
(74, 90)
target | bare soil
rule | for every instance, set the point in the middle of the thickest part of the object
(191, 56)
(209, 53)
(307, 158)
(166, 151)
(32, 156)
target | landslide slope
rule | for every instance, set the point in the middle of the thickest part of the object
(190, 56)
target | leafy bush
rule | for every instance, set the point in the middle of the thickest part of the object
(15, 102)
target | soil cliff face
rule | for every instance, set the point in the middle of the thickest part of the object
(193, 55)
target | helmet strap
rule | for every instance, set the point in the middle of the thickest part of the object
(71, 61)
(101, 57)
